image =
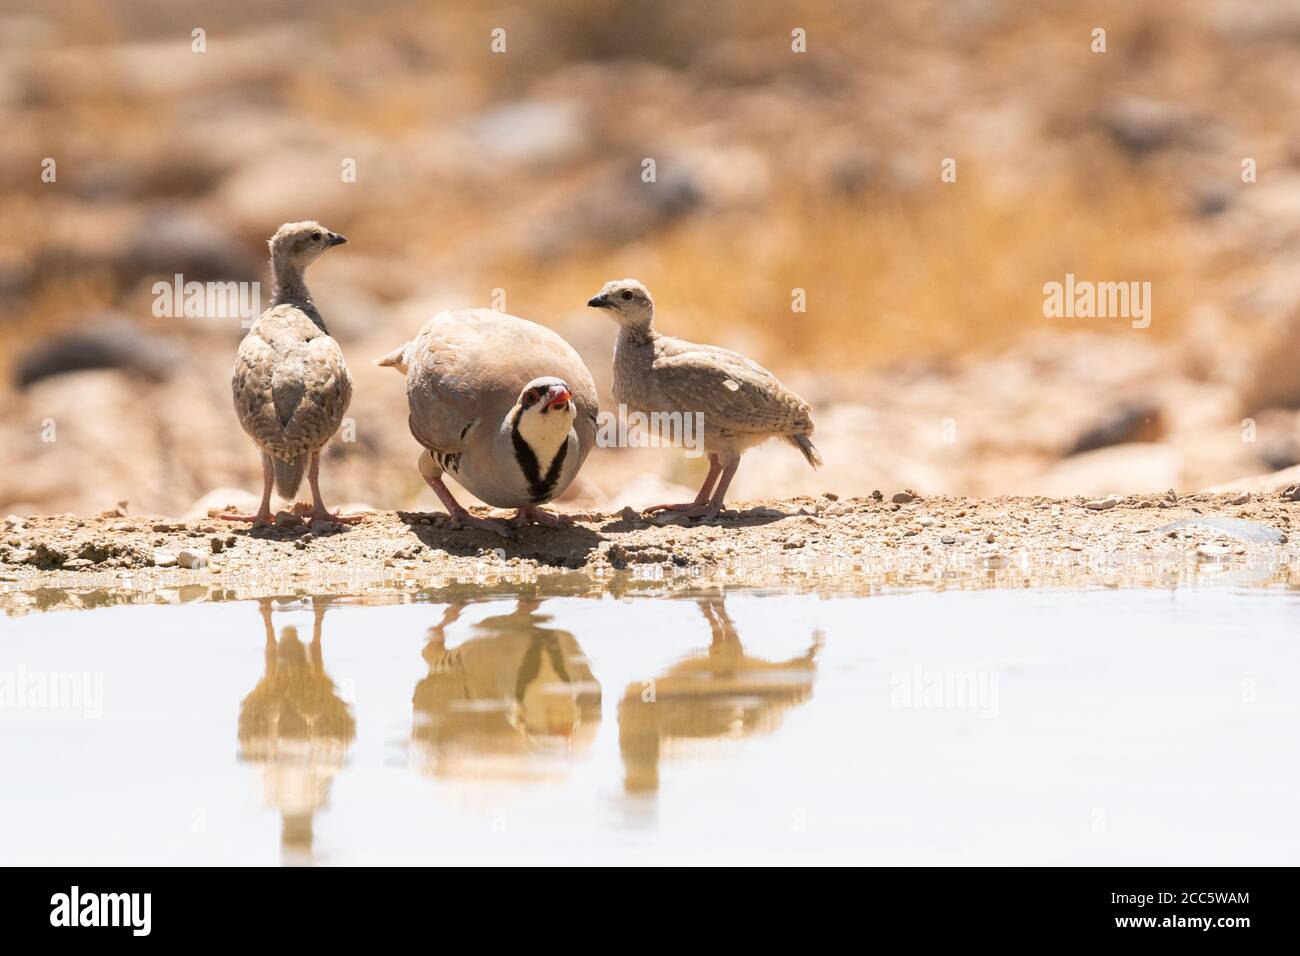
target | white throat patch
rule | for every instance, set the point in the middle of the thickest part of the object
(545, 433)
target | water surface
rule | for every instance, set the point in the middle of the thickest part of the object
(1127, 726)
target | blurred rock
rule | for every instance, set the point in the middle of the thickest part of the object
(285, 185)
(107, 342)
(1142, 126)
(1124, 469)
(1280, 453)
(1271, 483)
(223, 499)
(616, 210)
(174, 240)
(1137, 420)
(528, 131)
(1271, 376)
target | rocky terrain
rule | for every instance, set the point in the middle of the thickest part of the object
(824, 543)
(515, 179)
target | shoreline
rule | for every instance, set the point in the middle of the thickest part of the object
(823, 544)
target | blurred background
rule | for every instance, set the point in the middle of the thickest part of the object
(923, 348)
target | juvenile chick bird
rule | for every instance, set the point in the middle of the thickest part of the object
(504, 406)
(291, 385)
(743, 403)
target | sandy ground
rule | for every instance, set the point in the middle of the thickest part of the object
(823, 543)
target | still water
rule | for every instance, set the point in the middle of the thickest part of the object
(1125, 727)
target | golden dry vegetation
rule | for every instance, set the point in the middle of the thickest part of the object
(776, 171)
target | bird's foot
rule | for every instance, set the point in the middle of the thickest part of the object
(549, 518)
(260, 520)
(692, 509)
(460, 518)
(324, 514)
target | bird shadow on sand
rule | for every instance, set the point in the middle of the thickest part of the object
(556, 547)
(747, 518)
(284, 532)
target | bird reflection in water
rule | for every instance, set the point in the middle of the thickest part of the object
(721, 693)
(514, 701)
(297, 729)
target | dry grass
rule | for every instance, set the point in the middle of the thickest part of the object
(948, 271)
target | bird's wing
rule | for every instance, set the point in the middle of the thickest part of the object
(290, 385)
(468, 367)
(733, 392)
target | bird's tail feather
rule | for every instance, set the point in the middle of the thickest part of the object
(288, 475)
(807, 448)
(395, 359)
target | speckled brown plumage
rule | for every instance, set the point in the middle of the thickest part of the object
(291, 387)
(742, 403)
(738, 397)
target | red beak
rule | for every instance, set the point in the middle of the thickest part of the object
(559, 396)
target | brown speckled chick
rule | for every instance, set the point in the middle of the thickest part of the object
(291, 386)
(743, 404)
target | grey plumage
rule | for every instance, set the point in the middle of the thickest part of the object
(290, 385)
(742, 403)
(470, 376)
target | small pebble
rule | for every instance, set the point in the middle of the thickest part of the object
(194, 560)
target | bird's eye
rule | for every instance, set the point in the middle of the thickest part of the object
(530, 398)
(627, 294)
(315, 237)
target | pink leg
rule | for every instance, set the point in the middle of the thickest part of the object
(715, 503)
(263, 515)
(697, 507)
(318, 510)
(460, 518)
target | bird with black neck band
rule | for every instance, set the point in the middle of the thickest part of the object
(503, 406)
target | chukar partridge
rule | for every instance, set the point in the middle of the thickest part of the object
(504, 406)
(743, 404)
(291, 386)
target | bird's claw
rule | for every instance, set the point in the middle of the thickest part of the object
(324, 515)
(463, 519)
(692, 509)
(549, 518)
(258, 520)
